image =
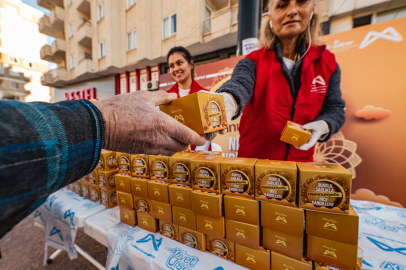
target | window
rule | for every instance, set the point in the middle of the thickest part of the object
(207, 20)
(70, 30)
(28, 64)
(391, 14)
(169, 26)
(100, 11)
(72, 61)
(102, 49)
(131, 40)
(13, 85)
(13, 59)
(361, 21)
(130, 3)
(325, 27)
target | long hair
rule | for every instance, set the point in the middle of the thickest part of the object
(185, 53)
(267, 36)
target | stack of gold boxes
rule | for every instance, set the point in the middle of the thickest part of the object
(106, 186)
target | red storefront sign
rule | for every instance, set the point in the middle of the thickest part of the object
(88, 93)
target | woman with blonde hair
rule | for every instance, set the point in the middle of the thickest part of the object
(291, 77)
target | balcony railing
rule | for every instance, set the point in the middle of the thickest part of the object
(46, 53)
(57, 18)
(46, 28)
(85, 33)
(59, 49)
(46, 79)
(221, 22)
(84, 66)
(59, 75)
(84, 6)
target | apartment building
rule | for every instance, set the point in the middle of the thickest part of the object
(20, 42)
(12, 84)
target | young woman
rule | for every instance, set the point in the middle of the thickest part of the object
(183, 72)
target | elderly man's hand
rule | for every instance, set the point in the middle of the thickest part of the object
(132, 124)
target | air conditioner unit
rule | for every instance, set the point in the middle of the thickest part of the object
(152, 85)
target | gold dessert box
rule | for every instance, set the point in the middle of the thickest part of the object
(192, 239)
(139, 187)
(237, 176)
(180, 196)
(283, 243)
(125, 200)
(159, 168)
(168, 229)
(161, 211)
(140, 165)
(254, 259)
(282, 262)
(180, 167)
(147, 222)
(128, 217)
(221, 247)
(211, 226)
(207, 204)
(85, 190)
(206, 173)
(123, 183)
(184, 217)
(142, 205)
(94, 193)
(108, 198)
(92, 178)
(107, 161)
(241, 209)
(107, 179)
(295, 134)
(158, 191)
(243, 233)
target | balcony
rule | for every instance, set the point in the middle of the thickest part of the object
(84, 6)
(84, 67)
(45, 27)
(49, 4)
(85, 33)
(59, 75)
(57, 18)
(58, 49)
(46, 53)
(46, 79)
(222, 22)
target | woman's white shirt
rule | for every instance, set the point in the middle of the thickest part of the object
(289, 63)
(183, 92)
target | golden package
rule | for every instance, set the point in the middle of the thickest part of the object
(184, 217)
(123, 183)
(159, 168)
(142, 205)
(94, 193)
(108, 198)
(107, 180)
(212, 153)
(201, 112)
(85, 190)
(180, 167)
(283, 243)
(140, 165)
(207, 204)
(83, 179)
(237, 176)
(220, 247)
(125, 200)
(158, 191)
(332, 253)
(128, 217)
(123, 163)
(139, 187)
(323, 266)
(92, 178)
(192, 238)
(78, 188)
(282, 262)
(276, 181)
(147, 222)
(283, 218)
(243, 233)
(206, 173)
(107, 161)
(295, 134)
(180, 196)
(324, 187)
(168, 229)
(71, 187)
(161, 211)
(211, 226)
(335, 227)
(241, 209)
(254, 259)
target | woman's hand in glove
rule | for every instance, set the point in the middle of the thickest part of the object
(133, 125)
(318, 129)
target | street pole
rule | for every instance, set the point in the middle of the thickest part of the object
(249, 21)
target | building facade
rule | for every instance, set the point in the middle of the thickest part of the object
(20, 42)
(12, 84)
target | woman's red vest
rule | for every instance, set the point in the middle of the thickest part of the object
(272, 104)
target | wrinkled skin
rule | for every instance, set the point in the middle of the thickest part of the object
(132, 124)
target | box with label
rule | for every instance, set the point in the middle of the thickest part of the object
(324, 187)
(192, 239)
(140, 165)
(83, 179)
(107, 180)
(124, 163)
(161, 211)
(220, 247)
(241, 209)
(206, 173)
(332, 253)
(139, 186)
(212, 153)
(276, 181)
(323, 266)
(158, 191)
(85, 190)
(207, 203)
(78, 187)
(282, 262)
(243, 233)
(125, 200)
(180, 196)
(94, 193)
(237, 176)
(71, 187)
(170, 230)
(107, 161)
(123, 183)
(142, 205)
(283, 243)
(180, 167)
(211, 226)
(335, 227)
(92, 178)
(108, 198)
(201, 112)
(147, 222)
(283, 218)
(159, 168)
(184, 217)
(295, 134)
(128, 217)
(254, 259)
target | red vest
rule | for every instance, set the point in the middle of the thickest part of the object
(271, 105)
(194, 88)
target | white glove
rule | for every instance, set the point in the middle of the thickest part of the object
(318, 129)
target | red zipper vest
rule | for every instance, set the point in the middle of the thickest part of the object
(272, 104)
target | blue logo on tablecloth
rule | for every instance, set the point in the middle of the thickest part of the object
(219, 268)
(393, 266)
(71, 215)
(56, 231)
(180, 260)
(57, 209)
(377, 222)
(38, 214)
(132, 230)
(150, 237)
(387, 248)
(365, 263)
(88, 204)
(51, 200)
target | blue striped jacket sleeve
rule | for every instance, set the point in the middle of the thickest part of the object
(44, 147)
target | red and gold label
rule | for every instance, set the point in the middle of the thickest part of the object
(205, 177)
(190, 240)
(275, 186)
(139, 166)
(326, 193)
(237, 181)
(181, 172)
(124, 164)
(220, 248)
(159, 169)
